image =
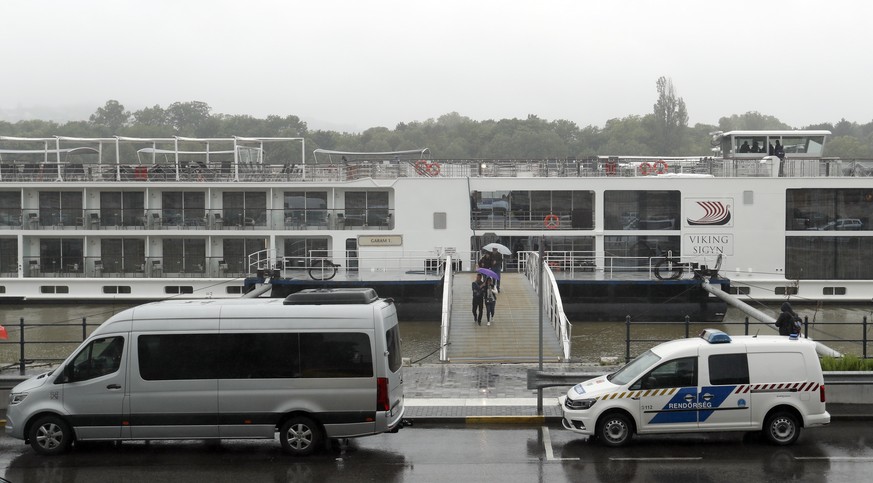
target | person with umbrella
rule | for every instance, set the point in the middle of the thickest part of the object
(479, 288)
(496, 265)
(490, 299)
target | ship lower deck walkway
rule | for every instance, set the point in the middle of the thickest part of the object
(513, 335)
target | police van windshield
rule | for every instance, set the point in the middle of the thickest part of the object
(633, 368)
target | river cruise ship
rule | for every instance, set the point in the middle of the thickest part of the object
(132, 219)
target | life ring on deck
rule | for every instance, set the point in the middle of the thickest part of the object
(433, 169)
(552, 222)
(661, 166)
(611, 168)
(645, 168)
(421, 166)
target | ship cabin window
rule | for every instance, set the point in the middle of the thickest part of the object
(245, 209)
(833, 291)
(178, 289)
(116, 289)
(60, 255)
(520, 210)
(49, 289)
(8, 257)
(638, 253)
(300, 251)
(187, 255)
(236, 253)
(10, 208)
(641, 210)
(234, 289)
(750, 145)
(60, 208)
(305, 208)
(734, 290)
(827, 257)
(186, 208)
(840, 210)
(367, 208)
(122, 255)
(119, 208)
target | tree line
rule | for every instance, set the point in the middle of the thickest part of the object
(662, 132)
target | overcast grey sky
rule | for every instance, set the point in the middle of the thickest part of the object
(354, 64)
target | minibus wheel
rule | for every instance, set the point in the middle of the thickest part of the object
(50, 435)
(782, 428)
(299, 436)
(614, 429)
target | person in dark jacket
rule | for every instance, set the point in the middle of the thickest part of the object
(479, 288)
(788, 322)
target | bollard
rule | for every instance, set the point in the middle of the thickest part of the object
(687, 325)
(806, 327)
(84, 328)
(864, 337)
(746, 324)
(627, 339)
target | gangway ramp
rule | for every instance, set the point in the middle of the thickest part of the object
(513, 335)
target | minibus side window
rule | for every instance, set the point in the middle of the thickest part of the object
(169, 357)
(260, 356)
(727, 369)
(335, 354)
(392, 344)
(100, 357)
(676, 373)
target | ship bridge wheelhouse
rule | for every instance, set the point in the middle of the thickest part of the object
(755, 144)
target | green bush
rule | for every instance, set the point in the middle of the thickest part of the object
(846, 363)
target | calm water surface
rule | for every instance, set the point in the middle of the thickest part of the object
(590, 342)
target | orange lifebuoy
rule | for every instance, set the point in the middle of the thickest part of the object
(645, 168)
(552, 222)
(433, 169)
(421, 166)
(611, 167)
(661, 166)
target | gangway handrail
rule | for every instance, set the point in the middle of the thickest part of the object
(554, 307)
(446, 323)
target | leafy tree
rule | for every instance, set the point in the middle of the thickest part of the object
(151, 116)
(751, 121)
(112, 117)
(671, 119)
(187, 117)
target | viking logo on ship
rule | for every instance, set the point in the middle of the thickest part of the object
(715, 213)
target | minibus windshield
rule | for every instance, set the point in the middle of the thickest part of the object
(633, 368)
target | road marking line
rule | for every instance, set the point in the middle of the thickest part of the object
(547, 442)
(835, 458)
(665, 458)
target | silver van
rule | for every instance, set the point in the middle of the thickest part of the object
(318, 364)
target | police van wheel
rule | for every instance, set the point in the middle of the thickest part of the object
(299, 436)
(50, 435)
(614, 429)
(782, 429)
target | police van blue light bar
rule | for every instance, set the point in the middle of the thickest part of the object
(714, 336)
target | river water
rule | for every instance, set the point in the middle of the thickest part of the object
(590, 340)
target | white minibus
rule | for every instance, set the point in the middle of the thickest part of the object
(318, 364)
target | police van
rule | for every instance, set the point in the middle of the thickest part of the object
(714, 382)
(318, 364)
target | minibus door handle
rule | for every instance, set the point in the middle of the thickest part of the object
(113, 386)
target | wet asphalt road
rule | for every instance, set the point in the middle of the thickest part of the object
(842, 451)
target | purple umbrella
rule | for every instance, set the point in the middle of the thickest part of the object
(488, 273)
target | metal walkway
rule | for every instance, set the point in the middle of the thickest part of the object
(513, 335)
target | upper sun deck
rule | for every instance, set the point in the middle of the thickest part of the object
(264, 159)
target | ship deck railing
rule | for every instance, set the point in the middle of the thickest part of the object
(628, 167)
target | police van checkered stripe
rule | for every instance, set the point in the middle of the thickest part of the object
(782, 387)
(637, 394)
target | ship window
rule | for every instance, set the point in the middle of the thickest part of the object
(48, 289)
(183, 208)
(178, 289)
(827, 258)
(641, 210)
(834, 291)
(122, 255)
(9, 257)
(739, 290)
(234, 289)
(116, 289)
(528, 209)
(62, 208)
(828, 209)
(633, 252)
(122, 208)
(10, 209)
(184, 256)
(786, 291)
(2, 289)
(60, 255)
(439, 221)
(237, 250)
